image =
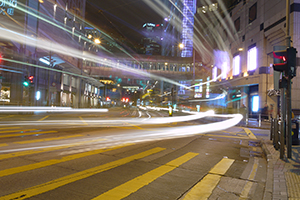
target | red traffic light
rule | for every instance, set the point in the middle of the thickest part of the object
(280, 61)
(30, 78)
(281, 55)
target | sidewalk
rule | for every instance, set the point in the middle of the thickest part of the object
(283, 175)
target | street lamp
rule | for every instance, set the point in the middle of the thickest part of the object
(181, 46)
(97, 41)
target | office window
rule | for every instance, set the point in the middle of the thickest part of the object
(236, 65)
(237, 24)
(252, 59)
(252, 13)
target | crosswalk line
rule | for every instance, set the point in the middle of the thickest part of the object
(135, 184)
(46, 163)
(45, 149)
(27, 133)
(51, 185)
(203, 189)
(47, 139)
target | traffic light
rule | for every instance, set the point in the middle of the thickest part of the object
(26, 82)
(285, 61)
(291, 52)
(30, 78)
(280, 61)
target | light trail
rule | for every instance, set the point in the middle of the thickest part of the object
(47, 109)
(108, 139)
(72, 52)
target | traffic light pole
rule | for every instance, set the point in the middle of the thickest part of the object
(288, 89)
(283, 119)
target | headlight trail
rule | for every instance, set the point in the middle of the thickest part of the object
(21, 109)
(137, 136)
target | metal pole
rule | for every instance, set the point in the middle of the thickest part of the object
(259, 120)
(289, 120)
(194, 58)
(276, 135)
(283, 118)
(272, 129)
(289, 87)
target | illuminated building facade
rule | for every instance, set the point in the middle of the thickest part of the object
(189, 9)
(248, 77)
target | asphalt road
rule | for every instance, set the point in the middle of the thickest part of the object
(85, 158)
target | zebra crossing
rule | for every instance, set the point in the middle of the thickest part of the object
(50, 185)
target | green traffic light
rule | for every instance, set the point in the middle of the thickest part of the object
(25, 83)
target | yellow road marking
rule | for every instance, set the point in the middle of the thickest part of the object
(249, 184)
(84, 122)
(47, 139)
(27, 133)
(9, 128)
(13, 131)
(246, 190)
(51, 185)
(43, 118)
(203, 189)
(222, 166)
(3, 145)
(135, 184)
(249, 133)
(46, 163)
(23, 153)
(226, 136)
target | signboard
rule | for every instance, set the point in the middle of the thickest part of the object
(8, 6)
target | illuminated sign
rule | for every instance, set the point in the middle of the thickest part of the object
(8, 6)
(149, 24)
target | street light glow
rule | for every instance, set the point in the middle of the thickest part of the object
(97, 41)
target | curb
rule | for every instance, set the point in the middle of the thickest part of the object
(268, 193)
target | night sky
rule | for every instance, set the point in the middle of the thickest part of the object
(123, 17)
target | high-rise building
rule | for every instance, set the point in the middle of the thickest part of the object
(189, 9)
(152, 38)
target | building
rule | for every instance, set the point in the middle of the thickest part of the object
(152, 40)
(45, 41)
(252, 31)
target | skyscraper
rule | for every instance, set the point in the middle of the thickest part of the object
(189, 9)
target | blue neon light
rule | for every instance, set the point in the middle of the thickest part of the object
(189, 9)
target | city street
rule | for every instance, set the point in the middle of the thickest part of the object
(81, 159)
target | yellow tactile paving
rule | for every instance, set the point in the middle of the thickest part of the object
(293, 185)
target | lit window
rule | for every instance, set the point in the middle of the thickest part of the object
(255, 103)
(224, 70)
(236, 65)
(214, 73)
(252, 59)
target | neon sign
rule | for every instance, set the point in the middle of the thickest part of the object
(7, 6)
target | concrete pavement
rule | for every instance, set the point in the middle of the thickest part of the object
(283, 175)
